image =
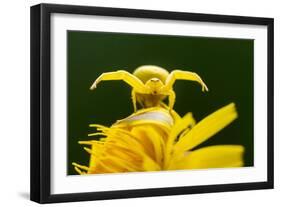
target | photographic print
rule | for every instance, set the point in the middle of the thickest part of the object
(131, 103)
(141, 103)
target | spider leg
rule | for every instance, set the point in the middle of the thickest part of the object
(172, 99)
(183, 75)
(134, 99)
(121, 75)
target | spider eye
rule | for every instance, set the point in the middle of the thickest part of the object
(154, 79)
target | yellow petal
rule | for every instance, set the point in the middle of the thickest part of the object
(96, 150)
(120, 163)
(180, 125)
(152, 141)
(150, 165)
(123, 136)
(81, 169)
(144, 140)
(206, 128)
(219, 156)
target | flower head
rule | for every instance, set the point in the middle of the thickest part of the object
(156, 138)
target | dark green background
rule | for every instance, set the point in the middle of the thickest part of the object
(226, 66)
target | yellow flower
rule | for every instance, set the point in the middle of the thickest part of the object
(154, 139)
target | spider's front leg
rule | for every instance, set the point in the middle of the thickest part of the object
(183, 75)
(127, 77)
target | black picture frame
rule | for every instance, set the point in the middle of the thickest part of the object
(41, 96)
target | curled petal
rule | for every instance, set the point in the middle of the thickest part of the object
(219, 156)
(206, 128)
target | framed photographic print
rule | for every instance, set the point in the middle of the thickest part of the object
(133, 103)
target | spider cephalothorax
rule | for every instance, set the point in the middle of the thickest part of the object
(151, 84)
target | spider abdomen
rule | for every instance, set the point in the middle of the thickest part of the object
(147, 72)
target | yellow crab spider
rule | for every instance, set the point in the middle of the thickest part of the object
(151, 84)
